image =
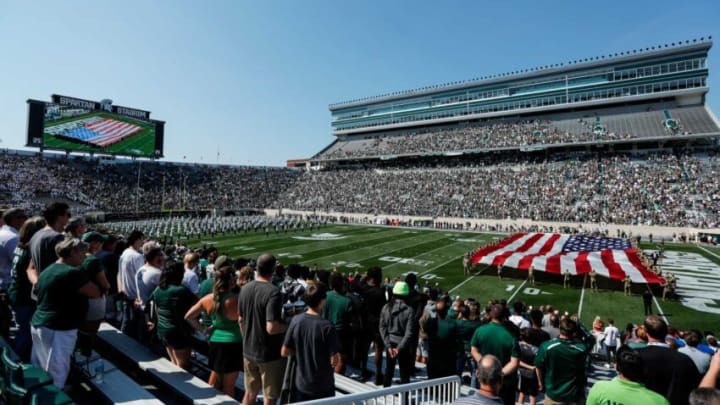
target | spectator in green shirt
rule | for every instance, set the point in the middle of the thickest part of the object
(171, 301)
(625, 388)
(62, 292)
(562, 364)
(442, 335)
(338, 309)
(494, 338)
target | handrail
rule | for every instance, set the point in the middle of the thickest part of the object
(444, 390)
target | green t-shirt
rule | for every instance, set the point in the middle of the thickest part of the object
(442, 346)
(493, 338)
(59, 304)
(466, 329)
(619, 391)
(206, 287)
(20, 287)
(92, 266)
(563, 363)
(337, 309)
(172, 304)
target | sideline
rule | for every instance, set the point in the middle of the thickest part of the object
(657, 304)
(709, 252)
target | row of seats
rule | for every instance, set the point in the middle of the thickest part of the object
(22, 384)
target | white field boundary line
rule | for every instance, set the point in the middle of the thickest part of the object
(460, 285)
(657, 304)
(366, 247)
(252, 236)
(582, 297)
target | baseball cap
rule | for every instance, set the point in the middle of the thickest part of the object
(93, 236)
(13, 213)
(222, 261)
(401, 288)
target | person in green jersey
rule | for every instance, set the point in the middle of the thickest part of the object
(561, 363)
(20, 287)
(62, 293)
(96, 306)
(170, 302)
(494, 338)
(467, 323)
(225, 340)
(625, 388)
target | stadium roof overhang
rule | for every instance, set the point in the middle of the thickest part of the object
(525, 111)
(592, 63)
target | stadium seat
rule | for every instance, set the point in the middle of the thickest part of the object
(20, 376)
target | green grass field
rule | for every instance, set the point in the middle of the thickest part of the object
(140, 144)
(436, 256)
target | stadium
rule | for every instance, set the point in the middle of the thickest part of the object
(587, 189)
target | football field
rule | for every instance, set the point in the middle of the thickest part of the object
(436, 257)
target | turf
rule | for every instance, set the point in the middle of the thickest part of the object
(140, 144)
(436, 257)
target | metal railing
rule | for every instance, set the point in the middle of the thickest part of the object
(443, 390)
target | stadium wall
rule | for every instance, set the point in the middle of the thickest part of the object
(666, 232)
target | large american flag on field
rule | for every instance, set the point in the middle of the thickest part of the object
(556, 253)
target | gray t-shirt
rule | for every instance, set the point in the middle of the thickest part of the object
(42, 248)
(478, 399)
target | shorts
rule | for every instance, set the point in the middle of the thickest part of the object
(176, 340)
(267, 376)
(225, 357)
(96, 309)
(423, 348)
(529, 386)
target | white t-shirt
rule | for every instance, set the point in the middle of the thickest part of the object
(519, 321)
(611, 335)
(148, 278)
(190, 280)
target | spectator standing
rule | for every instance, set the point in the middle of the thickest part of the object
(20, 287)
(92, 266)
(442, 338)
(701, 359)
(495, 339)
(260, 317)
(225, 340)
(468, 321)
(612, 336)
(13, 219)
(561, 363)
(553, 328)
(338, 309)
(171, 301)
(374, 298)
(62, 291)
(313, 341)
(667, 372)
(517, 317)
(625, 388)
(190, 278)
(42, 245)
(398, 326)
(75, 228)
(132, 322)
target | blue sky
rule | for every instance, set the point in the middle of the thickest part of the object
(253, 80)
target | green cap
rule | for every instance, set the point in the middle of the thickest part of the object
(401, 288)
(93, 236)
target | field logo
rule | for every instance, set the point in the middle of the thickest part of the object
(321, 236)
(698, 280)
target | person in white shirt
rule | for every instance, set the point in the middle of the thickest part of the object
(132, 319)
(612, 336)
(700, 358)
(517, 318)
(190, 277)
(148, 276)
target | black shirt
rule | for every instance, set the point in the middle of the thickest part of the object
(259, 303)
(314, 340)
(669, 373)
(374, 303)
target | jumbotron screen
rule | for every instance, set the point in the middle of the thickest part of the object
(74, 124)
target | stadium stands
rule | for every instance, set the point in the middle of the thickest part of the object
(604, 125)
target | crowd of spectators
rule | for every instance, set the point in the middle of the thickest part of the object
(660, 189)
(484, 136)
(252, 313)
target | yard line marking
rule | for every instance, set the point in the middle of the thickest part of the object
(657, 304)
(582, 297)
(709, 252)
(372, 246)
(518, 290)
(459, 285)
(440, 265)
